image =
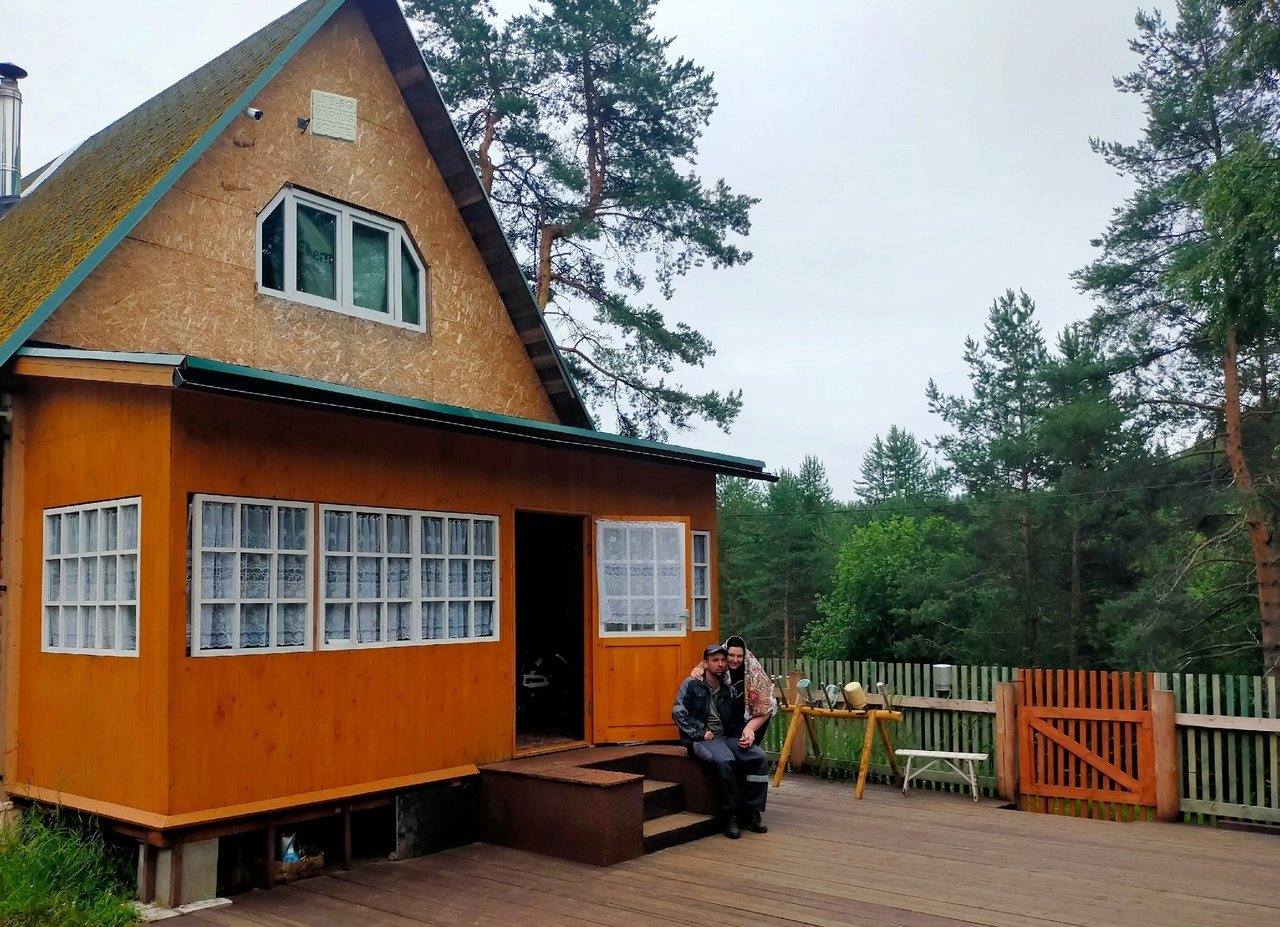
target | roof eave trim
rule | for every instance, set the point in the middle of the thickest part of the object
(475, 420)
(162, 186)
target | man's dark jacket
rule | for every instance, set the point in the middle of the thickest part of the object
(690, 711)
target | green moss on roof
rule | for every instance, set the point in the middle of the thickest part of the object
(49, 234)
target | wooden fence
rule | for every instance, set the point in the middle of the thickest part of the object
(1228, 731)
(1228, 745)
(965, 722)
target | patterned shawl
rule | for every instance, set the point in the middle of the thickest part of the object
(759, 701)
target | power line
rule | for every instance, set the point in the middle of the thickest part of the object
(906, 507)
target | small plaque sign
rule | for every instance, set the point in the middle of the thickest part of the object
(333, 116)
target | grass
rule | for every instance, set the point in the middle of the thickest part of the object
(55, 871)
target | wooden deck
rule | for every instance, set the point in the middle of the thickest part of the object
(930, 860)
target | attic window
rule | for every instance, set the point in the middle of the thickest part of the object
(331, 255)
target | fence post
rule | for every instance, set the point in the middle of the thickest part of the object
(1164, 728)
(1007, 740)
(798, 744)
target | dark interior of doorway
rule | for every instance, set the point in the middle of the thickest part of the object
(550, 662)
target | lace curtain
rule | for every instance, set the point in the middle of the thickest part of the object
(641, 574)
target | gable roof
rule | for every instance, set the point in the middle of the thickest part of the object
(55, 237)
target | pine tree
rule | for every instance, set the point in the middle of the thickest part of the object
(994, 450)
(897, 469)
(585, 131)
(776, 555)
(1188, 270)
(1093, 450)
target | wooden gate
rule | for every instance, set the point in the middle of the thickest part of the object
(1085, 744)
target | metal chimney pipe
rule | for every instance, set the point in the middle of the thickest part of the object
(10, 135)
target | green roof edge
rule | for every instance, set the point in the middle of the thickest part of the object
(181, 361)
(162, 186)
(200, 363)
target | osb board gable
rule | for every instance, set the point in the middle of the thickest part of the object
(184, 280)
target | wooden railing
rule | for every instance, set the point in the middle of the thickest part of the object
(1228, 730)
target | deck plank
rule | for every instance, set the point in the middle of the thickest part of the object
(931, 860)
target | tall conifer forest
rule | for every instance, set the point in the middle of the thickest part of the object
(1106, 496)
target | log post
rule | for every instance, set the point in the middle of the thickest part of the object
(1007, 740)
(1165, 731)
(798, 746)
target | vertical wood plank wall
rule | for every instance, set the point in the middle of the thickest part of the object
(167, 734)
(95, 726)
(246, 728)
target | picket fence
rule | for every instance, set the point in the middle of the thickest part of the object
(1228, 745)
(1228, 731)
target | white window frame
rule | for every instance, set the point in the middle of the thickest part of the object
(62, 557)
(696, 565)
(601, 567)
(397, 236)
(417, 600)
(196, 548)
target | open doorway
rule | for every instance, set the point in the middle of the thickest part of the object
(550, 658)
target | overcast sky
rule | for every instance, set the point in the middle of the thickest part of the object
(913, 160)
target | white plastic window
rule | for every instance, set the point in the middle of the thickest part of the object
(702, 580)
(251, 585)
(393, 578)
(91, 578)
(642, 578)
(327, 254)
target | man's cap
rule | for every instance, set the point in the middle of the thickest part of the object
(714, 649)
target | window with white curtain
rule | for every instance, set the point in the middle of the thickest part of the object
(392, 577)
(702, 580)
(642, 578)
(331, 255)
(90, 578)
(251, 584)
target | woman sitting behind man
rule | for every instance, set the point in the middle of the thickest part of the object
(752, 690)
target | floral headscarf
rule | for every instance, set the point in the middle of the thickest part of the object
(758, 701)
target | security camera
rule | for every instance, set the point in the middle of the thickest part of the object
(254, 114)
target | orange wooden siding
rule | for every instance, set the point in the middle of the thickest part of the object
(246, 728)
(93, 726)
(169, 734)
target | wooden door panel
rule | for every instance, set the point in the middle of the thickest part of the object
(635, 675)
(638, 691)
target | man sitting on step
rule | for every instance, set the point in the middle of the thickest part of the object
(713, 732)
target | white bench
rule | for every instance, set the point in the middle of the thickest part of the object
(949, 757)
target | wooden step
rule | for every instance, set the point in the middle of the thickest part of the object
(662, 798)
(681, 827)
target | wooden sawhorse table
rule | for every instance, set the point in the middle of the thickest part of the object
(875, 718)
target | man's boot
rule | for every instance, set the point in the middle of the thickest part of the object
(731, 829)
(755, 824)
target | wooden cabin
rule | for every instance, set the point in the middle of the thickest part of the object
(300, 503)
